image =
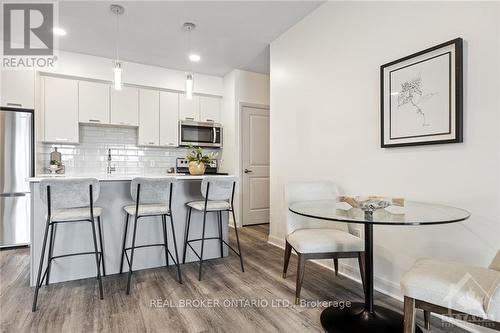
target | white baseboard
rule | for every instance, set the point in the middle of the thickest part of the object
(381, 285)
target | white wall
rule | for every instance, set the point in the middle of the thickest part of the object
(325, 86)
(239, 87)
(75, 64)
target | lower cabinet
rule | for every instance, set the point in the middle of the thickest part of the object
(60, 107)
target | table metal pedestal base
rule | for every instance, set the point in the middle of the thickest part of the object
(356, 319)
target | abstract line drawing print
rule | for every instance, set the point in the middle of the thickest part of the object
(412, 92)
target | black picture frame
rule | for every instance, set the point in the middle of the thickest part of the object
(457, 43)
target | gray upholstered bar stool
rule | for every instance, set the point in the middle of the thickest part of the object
(153, 197)
(69, 201)
(219, 196)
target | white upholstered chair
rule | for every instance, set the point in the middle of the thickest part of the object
(316, 239)
(458, 290)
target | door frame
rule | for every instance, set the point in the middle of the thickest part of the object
(240, 152)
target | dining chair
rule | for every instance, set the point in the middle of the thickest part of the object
(69, 201)
(317, 239)
(457, 290)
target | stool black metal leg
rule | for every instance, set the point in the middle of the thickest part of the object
(186, 236)
(219, 217)
(51, 249)
(98, 266)
(164, 227)
(124, 242)
(238, 241)
(202, 242)
(132, 254)
(42, 254)
(179, 276)
(102, 245)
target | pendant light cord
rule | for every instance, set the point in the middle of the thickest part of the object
(117, 36)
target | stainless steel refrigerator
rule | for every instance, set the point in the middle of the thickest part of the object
(16, 165)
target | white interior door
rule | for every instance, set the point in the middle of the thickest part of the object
(255, 165)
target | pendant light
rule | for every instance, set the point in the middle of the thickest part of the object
(189, 85)
(117, 10)
(188, 27)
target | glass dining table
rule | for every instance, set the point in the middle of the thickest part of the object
(367, 317)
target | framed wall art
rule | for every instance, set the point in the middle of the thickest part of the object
(421, 97)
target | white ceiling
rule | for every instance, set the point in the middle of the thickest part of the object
(229, 34)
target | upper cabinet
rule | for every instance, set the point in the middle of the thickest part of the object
(200, 108)
(60, 107)
(17, 88)
(93, 102)
(189, 109)
(149, 115)
(210, 109)
(125, 106)
(169, 119)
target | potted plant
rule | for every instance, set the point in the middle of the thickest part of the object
(197, 160)
(54, 166)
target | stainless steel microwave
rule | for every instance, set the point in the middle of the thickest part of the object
(202, 134)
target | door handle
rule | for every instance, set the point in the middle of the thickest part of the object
(247, 171)
(215, 134)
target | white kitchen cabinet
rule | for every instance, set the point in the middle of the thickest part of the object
(189, 109)
(60, 107)
(210, 109)
(149, 115)
(18, 88)
(169, 119)
(125, 106)
(93, 102)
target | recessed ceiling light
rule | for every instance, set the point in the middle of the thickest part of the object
(194, 57)
(59, 31)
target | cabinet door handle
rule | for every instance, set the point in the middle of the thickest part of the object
(189, 118)
(15, 104)
(94, 120)
(211, 120)
(151, 143)
(61, 139)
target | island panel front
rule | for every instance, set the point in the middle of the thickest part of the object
(114, 195)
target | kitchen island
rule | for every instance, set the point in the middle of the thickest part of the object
(114, 195)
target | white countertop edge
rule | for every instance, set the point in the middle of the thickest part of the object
(112, 178)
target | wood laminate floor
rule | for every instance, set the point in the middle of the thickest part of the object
(226, 300)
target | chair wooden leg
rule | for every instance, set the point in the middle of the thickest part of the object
(288, 252)
(361, 262)
(336, 266)
(409, 315)
(301, 262)
(427, 319)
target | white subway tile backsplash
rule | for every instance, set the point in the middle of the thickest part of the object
(90, 156)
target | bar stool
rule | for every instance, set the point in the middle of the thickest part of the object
(153, 197)
(69, 201)
(219, 196)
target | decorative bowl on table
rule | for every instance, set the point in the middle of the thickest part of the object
(370, 203)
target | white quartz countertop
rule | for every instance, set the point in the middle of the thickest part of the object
(119, 177)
